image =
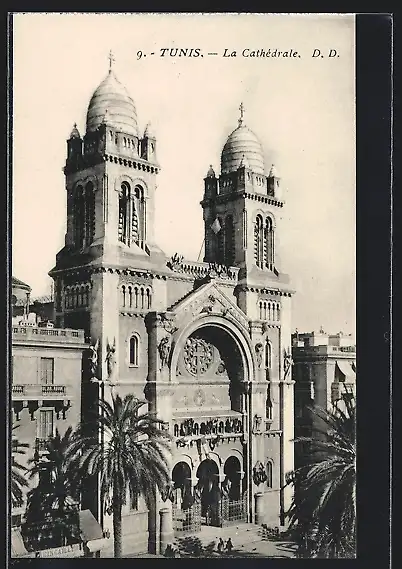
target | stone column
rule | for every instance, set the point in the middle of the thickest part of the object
(166, 529)
(159, 391)
(259, 507)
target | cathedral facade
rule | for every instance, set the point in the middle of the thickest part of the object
(206, 344)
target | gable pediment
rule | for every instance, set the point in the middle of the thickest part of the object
(208, 299)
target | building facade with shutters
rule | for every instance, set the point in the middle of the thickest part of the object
(46, 371)
(324, 370)
(206, 343)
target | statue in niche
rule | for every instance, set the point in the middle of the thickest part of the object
(93, 359)
(287, 363)
(111, 357)
(164, 351)
(258, 354)
(257, 422)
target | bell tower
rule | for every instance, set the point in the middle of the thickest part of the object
(242, 208)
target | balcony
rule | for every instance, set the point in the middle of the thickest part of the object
(37, 391)
(188, 428)
(45, 335)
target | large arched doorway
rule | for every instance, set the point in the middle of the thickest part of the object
(186, 512)
(234, 498)
(181, 477)
(208, 492)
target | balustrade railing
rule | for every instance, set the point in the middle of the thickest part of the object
(35, 333)
(34, 391)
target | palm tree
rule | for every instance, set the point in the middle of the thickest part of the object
(18, 480)
(53, 504)
(324, 505)
(133, 455)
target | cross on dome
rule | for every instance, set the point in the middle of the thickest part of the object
(241, 109)
(111, 60)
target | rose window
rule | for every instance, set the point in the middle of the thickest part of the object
(198, 356)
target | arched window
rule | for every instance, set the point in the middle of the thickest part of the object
(89, 213)
(278, 312)
(148, 298)
(123, 296)
(229, 240)
(79, 217)
(133, 347)
(138, 217)
(269, 474)
(258, 241)
(124, 198)
(269, 243)
(268, 355)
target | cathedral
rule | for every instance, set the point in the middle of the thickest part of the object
(206, 344)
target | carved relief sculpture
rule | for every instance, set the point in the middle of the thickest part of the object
(259, 474)
(164, 351)
(175, 262)
(93, 359)
(258, 353)
(287, 363)
(111, 358)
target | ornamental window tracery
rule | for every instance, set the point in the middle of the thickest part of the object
(132, 214)
(264, 242)
(83, 203)
(198, 356)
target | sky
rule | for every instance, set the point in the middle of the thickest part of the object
(301, 108)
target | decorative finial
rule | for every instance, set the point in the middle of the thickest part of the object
(111, 60)
(241, 109)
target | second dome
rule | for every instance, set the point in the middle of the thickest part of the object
(112, 104)
(242, 142)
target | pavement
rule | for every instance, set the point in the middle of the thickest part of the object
(248, 540)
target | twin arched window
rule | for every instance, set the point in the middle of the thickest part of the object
(84, 215)
(264, 242)
(132, 215)
(133, 351)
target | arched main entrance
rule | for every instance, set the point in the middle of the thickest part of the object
(208, 492)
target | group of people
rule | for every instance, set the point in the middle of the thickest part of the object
(222, 547)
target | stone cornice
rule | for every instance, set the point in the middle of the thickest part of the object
(264, 290)
(225, 198)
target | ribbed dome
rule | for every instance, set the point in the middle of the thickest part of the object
(112, 104)
(242, 142)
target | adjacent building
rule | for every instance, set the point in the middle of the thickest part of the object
(46, 373)
(208, 344)
(324, 368)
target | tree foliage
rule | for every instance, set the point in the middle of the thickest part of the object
(323, 510)
(133, 457)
